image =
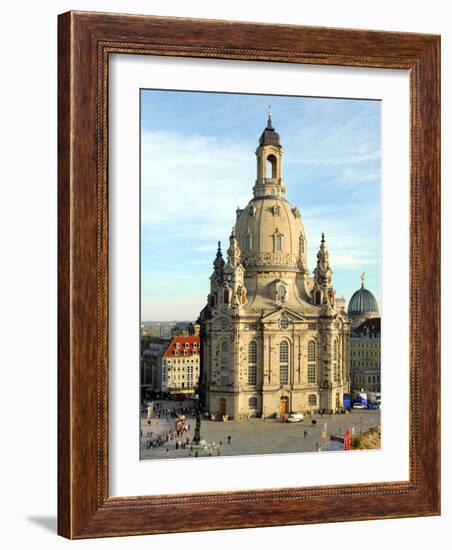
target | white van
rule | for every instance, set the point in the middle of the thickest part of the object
(295, 417)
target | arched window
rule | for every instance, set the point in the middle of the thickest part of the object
(284, 362)
(224, 360)
(224, 353)
(252, 403)
(335, 369)
(226, 296)
(271, 166)
(318, 298)
(252, 363)
(312, 362)
(278, 242)
(248, 243)
(312, 400)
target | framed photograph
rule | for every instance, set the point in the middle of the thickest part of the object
(249, 293)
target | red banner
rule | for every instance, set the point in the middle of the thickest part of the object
(347, 446)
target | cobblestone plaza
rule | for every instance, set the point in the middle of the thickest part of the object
(255, 436)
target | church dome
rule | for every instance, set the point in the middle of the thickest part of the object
(269, 230)
(362, 302)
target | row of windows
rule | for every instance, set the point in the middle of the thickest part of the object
(277, 242)
(252, 401)
(366, 353)
(186, 352)
(364, 364)
(187, 345)
(172, 361)
(283, 362)
(370, 379)
(283, 351)
(356, 344)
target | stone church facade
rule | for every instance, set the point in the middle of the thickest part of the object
(273, 339)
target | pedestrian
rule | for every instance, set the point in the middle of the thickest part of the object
(196, 454)
(229, 439)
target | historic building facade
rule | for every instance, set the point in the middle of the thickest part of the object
(273, 339)
(151, 366)
(365, 356)
(365, 341)
(179, 372)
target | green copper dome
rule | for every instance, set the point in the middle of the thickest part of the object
(362, 302)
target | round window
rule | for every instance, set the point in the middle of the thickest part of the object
(284, 322)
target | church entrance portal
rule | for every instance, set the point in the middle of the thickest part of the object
(222, 407)
(283, 406)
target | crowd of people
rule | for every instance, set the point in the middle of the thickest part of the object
(178, 433)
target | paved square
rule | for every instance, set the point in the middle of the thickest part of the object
(251, 437)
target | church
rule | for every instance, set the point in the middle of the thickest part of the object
(274, 339)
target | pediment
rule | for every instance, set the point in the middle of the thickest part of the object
(289, 313)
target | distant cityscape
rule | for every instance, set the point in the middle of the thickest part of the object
(164, 329)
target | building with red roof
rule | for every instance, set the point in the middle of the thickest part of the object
(180, 365)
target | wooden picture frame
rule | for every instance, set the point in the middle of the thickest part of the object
(86, 40)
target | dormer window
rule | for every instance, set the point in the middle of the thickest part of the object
(281, 294)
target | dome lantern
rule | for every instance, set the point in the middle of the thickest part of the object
(269, 163)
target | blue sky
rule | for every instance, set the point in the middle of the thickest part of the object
(198, 165)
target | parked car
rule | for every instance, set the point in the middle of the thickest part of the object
(358, 405)
(295, 417)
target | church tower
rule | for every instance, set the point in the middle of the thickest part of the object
(273, 337)
(269, 163)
